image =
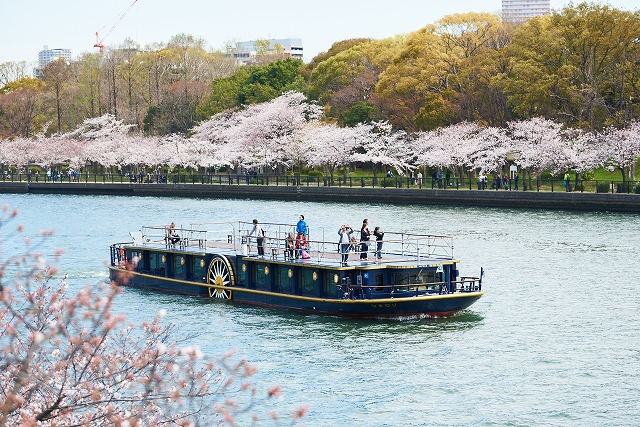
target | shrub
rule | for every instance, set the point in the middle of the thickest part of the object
(603, 187)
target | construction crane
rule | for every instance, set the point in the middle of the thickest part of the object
(99, 41)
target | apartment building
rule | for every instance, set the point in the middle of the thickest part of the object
(246, 52)
(521, 10)
(47, 55)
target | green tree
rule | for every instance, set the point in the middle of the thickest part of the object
(434, 79)
(224, 93)
(270, 81)
(359, 113)
(415, 84)
(87, 98)
(132, 78)
(576, 65)
(56, 74)
(336, 48)
(251, 85)
(19, 107)
(349, 77)
(176, 112)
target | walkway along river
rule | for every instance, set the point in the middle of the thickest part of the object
(613, 202)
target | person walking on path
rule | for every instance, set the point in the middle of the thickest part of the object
(567, 182)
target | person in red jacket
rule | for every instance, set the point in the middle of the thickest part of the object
(301, 243)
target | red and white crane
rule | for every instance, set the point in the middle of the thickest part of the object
(99, 41)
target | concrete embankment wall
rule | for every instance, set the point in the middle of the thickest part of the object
(488, 198)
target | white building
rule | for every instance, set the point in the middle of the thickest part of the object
(245, 52)
(521, 10)
(47, 55)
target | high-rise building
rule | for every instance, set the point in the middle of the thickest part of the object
(521, 10)
(246, 52)
(47, 55)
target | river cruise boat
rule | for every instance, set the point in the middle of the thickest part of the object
(415, 276)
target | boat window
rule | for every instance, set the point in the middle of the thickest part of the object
(308, 283)
(197, 266)
(154, 260)
(261, 276)
(330, 285)
(379, 280)
(415, 278)
(156, 264)
(178, 264)
(242, 272)
(285, 278)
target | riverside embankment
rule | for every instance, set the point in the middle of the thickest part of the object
(450, 197)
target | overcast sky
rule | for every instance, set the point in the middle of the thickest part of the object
(27, 25)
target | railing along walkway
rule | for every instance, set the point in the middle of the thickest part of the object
(453, 183)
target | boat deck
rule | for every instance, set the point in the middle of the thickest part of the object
(400, 250)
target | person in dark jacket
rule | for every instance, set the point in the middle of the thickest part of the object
(365, 236)
(379, 233)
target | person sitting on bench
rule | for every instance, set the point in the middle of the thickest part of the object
(290, 245)
(172, 234)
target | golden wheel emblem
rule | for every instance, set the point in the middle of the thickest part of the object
(220, 274)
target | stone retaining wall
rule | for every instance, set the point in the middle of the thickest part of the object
(488, 198)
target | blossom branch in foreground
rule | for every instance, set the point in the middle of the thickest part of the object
(69, 360)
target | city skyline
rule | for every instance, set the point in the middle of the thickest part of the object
(72, 24)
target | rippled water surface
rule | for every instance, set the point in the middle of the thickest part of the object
(554, 341)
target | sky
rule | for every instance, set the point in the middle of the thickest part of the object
(26, 26)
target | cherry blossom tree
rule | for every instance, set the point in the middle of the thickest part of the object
(450, 147)
(490, 147)
(286, 133)
(621, 149)
(261, 135)
(386, 148)
(581, 152)
(69, 360)
(332, 146)
(538, 142)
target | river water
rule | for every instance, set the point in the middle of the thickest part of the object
(554, 341)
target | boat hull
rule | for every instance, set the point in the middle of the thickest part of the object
(431, 305)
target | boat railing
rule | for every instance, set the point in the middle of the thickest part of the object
(206, 232)
(195, 234)
(358, 291)
(418, 246)
(272, 230)
(238, 237)
(401, 245)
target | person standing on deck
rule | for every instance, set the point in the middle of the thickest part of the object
(379, 233)
(365, 236)
(301, 226)
(345, 233)
(259, 233)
